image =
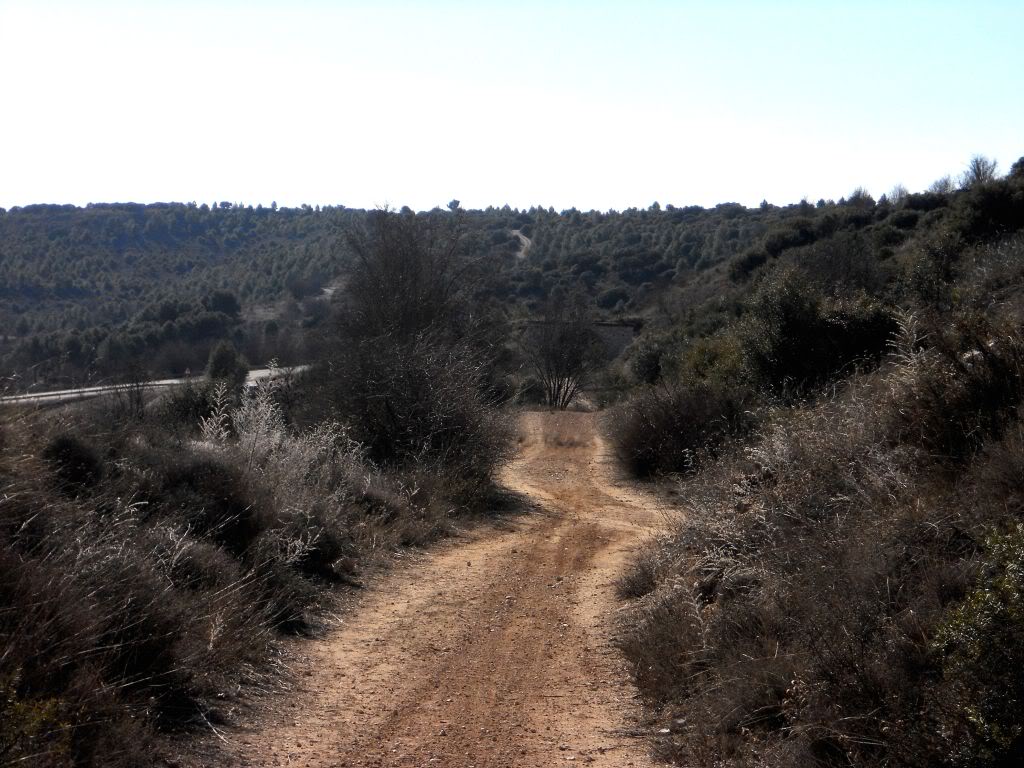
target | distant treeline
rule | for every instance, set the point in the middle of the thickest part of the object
(98, 291)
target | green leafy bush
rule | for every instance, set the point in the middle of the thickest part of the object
(961, 390)
(794, 340)
(794, 233)
(216, 499)
(227, 365)
(76, 464)
(672, 427)
(833, 594)
(988, 211)
(420, 402)
(981, 642)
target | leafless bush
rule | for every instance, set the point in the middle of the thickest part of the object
(410, 274)
(563, 350)
(421, 404)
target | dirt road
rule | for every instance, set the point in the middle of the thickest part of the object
(491, 652)
(524, 243)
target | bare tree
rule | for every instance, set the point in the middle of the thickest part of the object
(898, 194)
(409, 365)
(980, 170)
(943, 186)
(563, 350)
(409, 274)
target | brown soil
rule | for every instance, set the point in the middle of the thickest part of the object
(493, 651)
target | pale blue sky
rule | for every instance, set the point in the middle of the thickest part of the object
(593, 105)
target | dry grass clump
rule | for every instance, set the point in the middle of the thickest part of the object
(112, 625)
(148, 566)
(843, 591)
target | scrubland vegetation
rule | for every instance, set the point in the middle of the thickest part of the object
(154, 553)
(123, 290)
(842, 586)
(833, 390)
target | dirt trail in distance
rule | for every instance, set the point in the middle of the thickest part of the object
(493, 651)
(524, 243)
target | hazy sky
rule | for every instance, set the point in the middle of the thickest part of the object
(586, 104)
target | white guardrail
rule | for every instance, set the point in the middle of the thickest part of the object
(83, 393)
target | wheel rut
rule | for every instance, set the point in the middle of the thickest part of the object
(494, 650)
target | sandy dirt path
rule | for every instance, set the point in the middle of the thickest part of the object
(492, 651)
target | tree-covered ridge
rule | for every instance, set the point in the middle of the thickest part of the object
(104, 263)
(96, 290)
(87, 292)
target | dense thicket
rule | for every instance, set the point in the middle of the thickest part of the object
(412, 353)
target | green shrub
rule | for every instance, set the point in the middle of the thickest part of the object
(672, 427)
(959, 392)
(988, 211)
(216, 500)
(183, 408)
(76, 464)
(612, 297)
(905, 219)
(793, 340)
(647, 361)
(33, 729)
(829, 597)
(419, 402)
(925, 201)
(981, 642)
(746, 263)
(794, 233)
(846, 264)
(226, 364)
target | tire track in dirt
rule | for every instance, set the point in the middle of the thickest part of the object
(493, 651)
